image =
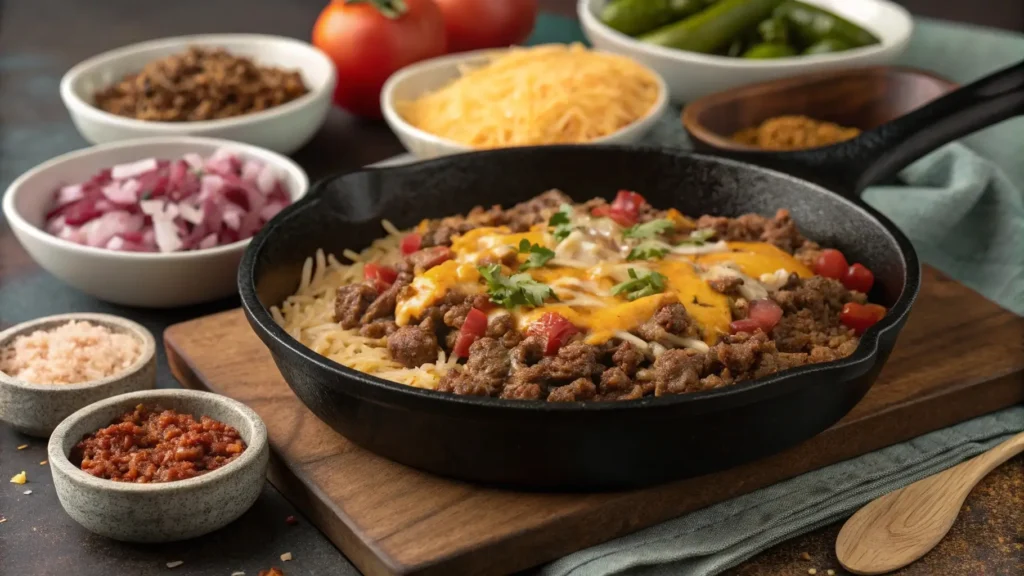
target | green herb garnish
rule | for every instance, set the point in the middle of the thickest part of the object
(647, 251)
(561, 221)
(698, 237)
(641, 285)
(538, 255)
(519, 290)
(648, 229)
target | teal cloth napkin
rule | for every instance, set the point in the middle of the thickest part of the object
(963, 208)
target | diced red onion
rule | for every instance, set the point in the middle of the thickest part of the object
(133, 169)
(169, 205)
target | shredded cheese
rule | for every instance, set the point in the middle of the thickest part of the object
(551, 94)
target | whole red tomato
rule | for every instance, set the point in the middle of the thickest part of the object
(477, 24)
(368, 40)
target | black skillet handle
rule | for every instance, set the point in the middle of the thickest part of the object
(849, 167)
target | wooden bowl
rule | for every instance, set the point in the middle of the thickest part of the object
(864, 98)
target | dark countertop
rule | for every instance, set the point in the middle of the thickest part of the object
(39, 40)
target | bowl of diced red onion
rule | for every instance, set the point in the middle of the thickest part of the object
(154, 222)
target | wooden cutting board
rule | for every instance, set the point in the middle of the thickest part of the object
(959, 356)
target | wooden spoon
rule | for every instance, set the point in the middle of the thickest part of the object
(902, 526)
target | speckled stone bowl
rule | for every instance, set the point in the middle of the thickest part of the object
(36, 409)
(167, 511)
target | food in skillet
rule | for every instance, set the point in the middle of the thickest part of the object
(595, 301)
(756, 29)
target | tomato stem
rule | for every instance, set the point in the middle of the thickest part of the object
(390, 8)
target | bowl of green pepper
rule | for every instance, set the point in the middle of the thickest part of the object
(702, 47)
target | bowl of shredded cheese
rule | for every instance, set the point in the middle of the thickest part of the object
(545, 95)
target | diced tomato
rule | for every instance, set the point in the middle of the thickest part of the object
(472, 330)
(744, 325)
(555, 329)
(624, 210)
(859, 278)
(765, 312)
(411, 243)
(831, 264)
(860, 317)
(381, 276)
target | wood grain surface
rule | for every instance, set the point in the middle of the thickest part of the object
(390, 519)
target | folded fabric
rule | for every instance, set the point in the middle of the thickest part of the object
(713, 539)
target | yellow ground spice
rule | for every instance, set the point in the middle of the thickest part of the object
(794, 133)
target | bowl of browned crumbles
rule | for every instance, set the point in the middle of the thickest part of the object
(269, 91)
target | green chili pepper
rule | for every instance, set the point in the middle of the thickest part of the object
(827, 46)
(634, 17)
(810, 25)
(766, 50)
(714, 28)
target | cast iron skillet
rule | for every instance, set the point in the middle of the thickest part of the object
(600, 446)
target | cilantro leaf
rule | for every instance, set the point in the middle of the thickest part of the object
(647, 251)
(561, 221)
(519, 290)
(698, 237)
(648, 229)
(640, 285)
(538, 255)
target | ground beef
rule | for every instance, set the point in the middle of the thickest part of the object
(503, 328)
(627, 358)
(384, 305)
(378, 329)
(528, 352)
(575, 391)
(574, 360)
(522, 391)
(522, 216)
(427, 258)
(779, 230)
(413, 346)
(728, 285)
(616, 385)
(678, 371)
(742, 352)
(485, 371)
(671, 319)
(351, 302)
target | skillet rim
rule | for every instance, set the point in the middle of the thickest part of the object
(784, 382)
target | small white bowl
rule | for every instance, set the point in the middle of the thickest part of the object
(164, 511)
(151, 280)
(36, 409)
(690, 75)
(283, 128)
(417, 79)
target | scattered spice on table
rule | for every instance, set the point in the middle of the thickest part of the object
(150, 444)
(805, 556)
(43, 463)
(23, 446)
(794, 133)
(2, 519)
(27, 492)
(238, 574)
(200, 84)
(274, 571)
(71, 353)
(286, 557)
(19, 478)
(175, 564)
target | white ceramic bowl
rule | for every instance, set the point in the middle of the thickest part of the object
(162, 511)
(151, 280)
(690, 75)
(36, 409)
(283, 128)
(414, 80)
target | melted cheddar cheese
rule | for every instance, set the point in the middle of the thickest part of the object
(584, 292)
